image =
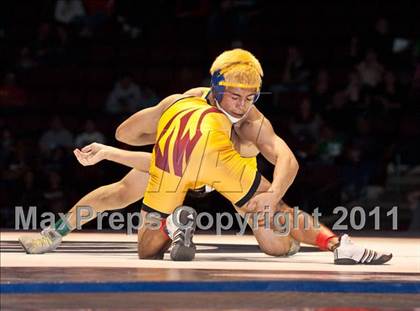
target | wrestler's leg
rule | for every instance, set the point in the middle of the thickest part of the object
(345, 252)
(114, 196)
(269, 242)
(276, 244)
(152, 241)
(309, 232)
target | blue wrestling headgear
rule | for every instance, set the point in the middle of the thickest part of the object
(218, 86)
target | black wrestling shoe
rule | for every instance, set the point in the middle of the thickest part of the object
(183, 248)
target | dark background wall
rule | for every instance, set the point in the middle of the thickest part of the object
(342, 81)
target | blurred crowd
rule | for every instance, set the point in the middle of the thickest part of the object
(342, 91)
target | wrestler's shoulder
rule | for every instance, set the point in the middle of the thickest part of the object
(171, 99)
(197, 91)
(249, 128)
(254, 117)
(194, 92)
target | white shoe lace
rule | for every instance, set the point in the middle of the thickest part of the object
(346, 239)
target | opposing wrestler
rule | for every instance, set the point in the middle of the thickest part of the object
(236, 79)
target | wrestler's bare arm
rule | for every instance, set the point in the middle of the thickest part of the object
(95, 152)
(140, 128)
(275, 150)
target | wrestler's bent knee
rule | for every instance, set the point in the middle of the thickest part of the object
(275, 249)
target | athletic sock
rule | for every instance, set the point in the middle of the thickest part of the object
(62, 227)
(323, 238)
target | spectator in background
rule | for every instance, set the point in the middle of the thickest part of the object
(339, 114)
(11, 95)
(354, 91)
(29, 194)
(295, 76)
(56, 136)
(366, 139)
(53, 195)
(354, 50)
(390, 92)
(192, 9)
(58, 160)
(7, 145)
(414, 205)
(51, 44)
(132, 16)
(361, 161)
(26, 60)
(330, 145)
(407, 146)
(69, 11)
(353, 176)
(125, 97)
(7, 154)
(97, 14)
(371, 71)
(148, 97)
(306, 122)
(229, 19)
(296, 73)
(90, 135)
(381, 40)
(43, 43)
(17, 161)
(321, 93)
(305, 127)
(416, 78)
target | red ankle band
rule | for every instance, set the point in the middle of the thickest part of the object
(322, 240)
(163, 228)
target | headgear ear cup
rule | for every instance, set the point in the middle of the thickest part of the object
(217, 89)
(257, 95)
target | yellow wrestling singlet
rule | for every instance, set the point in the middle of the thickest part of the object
(193, 149)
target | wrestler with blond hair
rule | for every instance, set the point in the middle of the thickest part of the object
(206, 136)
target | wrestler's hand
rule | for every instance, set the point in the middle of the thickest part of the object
(91, 154)
(263, 203)
(264, 200)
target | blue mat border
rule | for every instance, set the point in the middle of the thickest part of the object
(213, 286)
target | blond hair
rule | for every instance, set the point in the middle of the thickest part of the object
(239, 68)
